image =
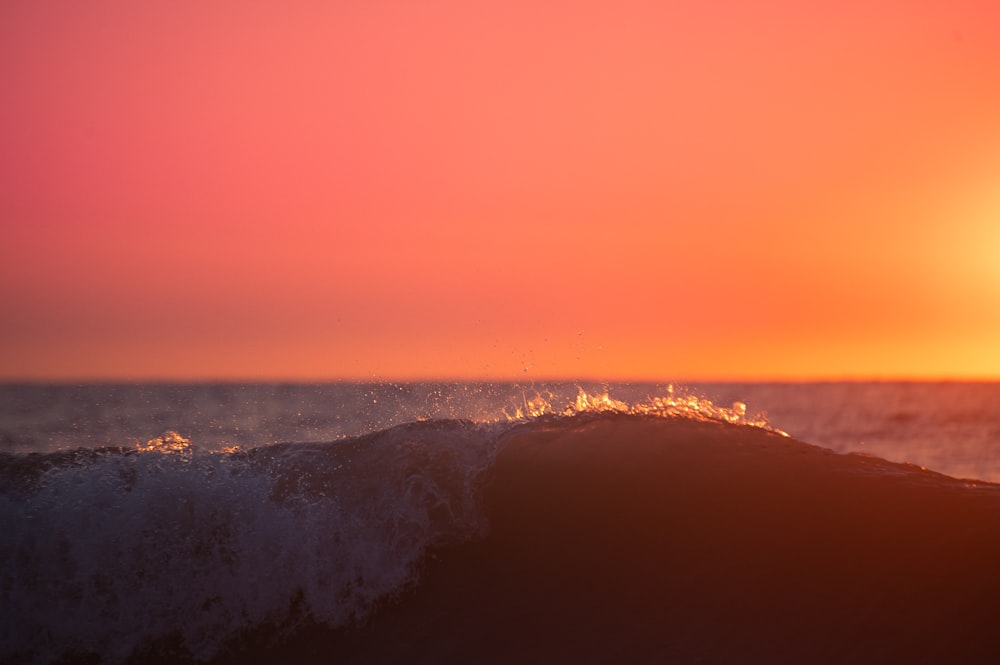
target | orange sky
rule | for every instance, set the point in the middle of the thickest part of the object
(453, 189)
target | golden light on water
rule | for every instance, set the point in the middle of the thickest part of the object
(168, 442)
(674, 404)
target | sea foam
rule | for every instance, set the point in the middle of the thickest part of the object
(110, 552)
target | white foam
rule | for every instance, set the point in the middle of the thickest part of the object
(133, 547)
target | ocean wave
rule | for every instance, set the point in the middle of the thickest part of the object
(487, 541)
(108, 550)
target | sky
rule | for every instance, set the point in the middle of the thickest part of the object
(444, 189)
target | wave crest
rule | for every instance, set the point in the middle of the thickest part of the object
(676, 403)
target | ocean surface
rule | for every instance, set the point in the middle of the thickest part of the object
(472, 522)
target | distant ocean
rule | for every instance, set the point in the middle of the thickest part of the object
(500, 522)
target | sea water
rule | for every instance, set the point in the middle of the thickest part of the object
(460, 522)
(951, 427)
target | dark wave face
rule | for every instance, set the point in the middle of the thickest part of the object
(589, 538)
(630, 539)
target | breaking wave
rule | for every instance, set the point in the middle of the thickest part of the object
(526, 537)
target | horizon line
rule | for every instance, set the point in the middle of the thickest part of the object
(376, 379)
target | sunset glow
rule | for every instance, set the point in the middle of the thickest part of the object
(445, 189)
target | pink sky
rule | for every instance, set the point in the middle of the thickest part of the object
(451, 189)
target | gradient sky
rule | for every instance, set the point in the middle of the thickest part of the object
(454, 189)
